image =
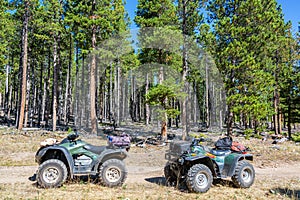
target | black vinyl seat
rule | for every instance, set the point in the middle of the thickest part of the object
(218, 152)
(95, 149)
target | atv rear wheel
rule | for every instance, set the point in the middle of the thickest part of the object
(199, 178)
(112, 173)
(170, 176)
(52, 173)
(244, 175)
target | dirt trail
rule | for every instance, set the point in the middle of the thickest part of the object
(144, 174)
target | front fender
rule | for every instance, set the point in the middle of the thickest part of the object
(48, 152)
(202, 159)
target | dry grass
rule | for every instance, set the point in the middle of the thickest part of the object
(260, 190)
(18, 149)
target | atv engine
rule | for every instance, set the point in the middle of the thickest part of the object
(82, 160)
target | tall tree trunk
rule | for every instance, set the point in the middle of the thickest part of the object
(289, 118)
(111, 93)
(40, 98)
(92, 78)
(277, 120)
(7, 104)
(185, 70)
(24, 65)
(76, 106)
(68, 86)
(275, 116)
(147, 107)
(207, 95)
(117, 94)
(27, 95)
(54, 95)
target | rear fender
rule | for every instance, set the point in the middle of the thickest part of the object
(112, 154)
(55, 152)
(231, 162)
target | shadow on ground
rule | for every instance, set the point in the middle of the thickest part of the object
(293, 194)
(157, 180)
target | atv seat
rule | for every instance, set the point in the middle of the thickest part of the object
(94, 149)
(218, 152)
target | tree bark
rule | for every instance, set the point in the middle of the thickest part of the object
(229, 120)
(92, 78)
(27, 95)
(185, 70)
(147, 107)
(54, 95)
(24, 65)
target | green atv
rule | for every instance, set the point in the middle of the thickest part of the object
(73, 157)
(197, 166)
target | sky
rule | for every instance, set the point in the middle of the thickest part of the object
(290, 8)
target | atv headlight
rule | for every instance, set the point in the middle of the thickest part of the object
(180, 160)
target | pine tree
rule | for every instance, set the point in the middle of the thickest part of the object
(190, 19)
(6, 32)
(93, 23)
(157, 20)
(247, 34)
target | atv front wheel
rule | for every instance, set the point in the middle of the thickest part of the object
(199, 178)
(244, 175)
(112, 173)
(52, 173)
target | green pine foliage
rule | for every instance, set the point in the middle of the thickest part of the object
(252, 47)
(248, 40)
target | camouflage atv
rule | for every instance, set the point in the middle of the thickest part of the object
(197, 166)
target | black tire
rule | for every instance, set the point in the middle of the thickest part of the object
(170, 176)
(199, 178)
(244, 175)
(112, 173)
(52, 173)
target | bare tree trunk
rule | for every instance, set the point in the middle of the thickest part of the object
(147, 104)
(68, 86)
(54, 96)
(82, 96)
(289, 118)
(27, 95)
(275, 116)
(117, 94)
(207, 96)
(7, 100)
(110, 110)
(6, 87)
(92, 79)
(185, 70)
(24, 65)
(229, 120)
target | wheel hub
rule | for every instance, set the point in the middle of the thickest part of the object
(246, 175)
(201, 180)
(113, 174)
(51, 175)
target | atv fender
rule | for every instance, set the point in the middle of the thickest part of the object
(202, 159)
(44, 151)
(231, 162)
(112, 154)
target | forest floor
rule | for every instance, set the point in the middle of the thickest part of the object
(277, 172)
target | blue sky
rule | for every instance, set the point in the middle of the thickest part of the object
(290, 8)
